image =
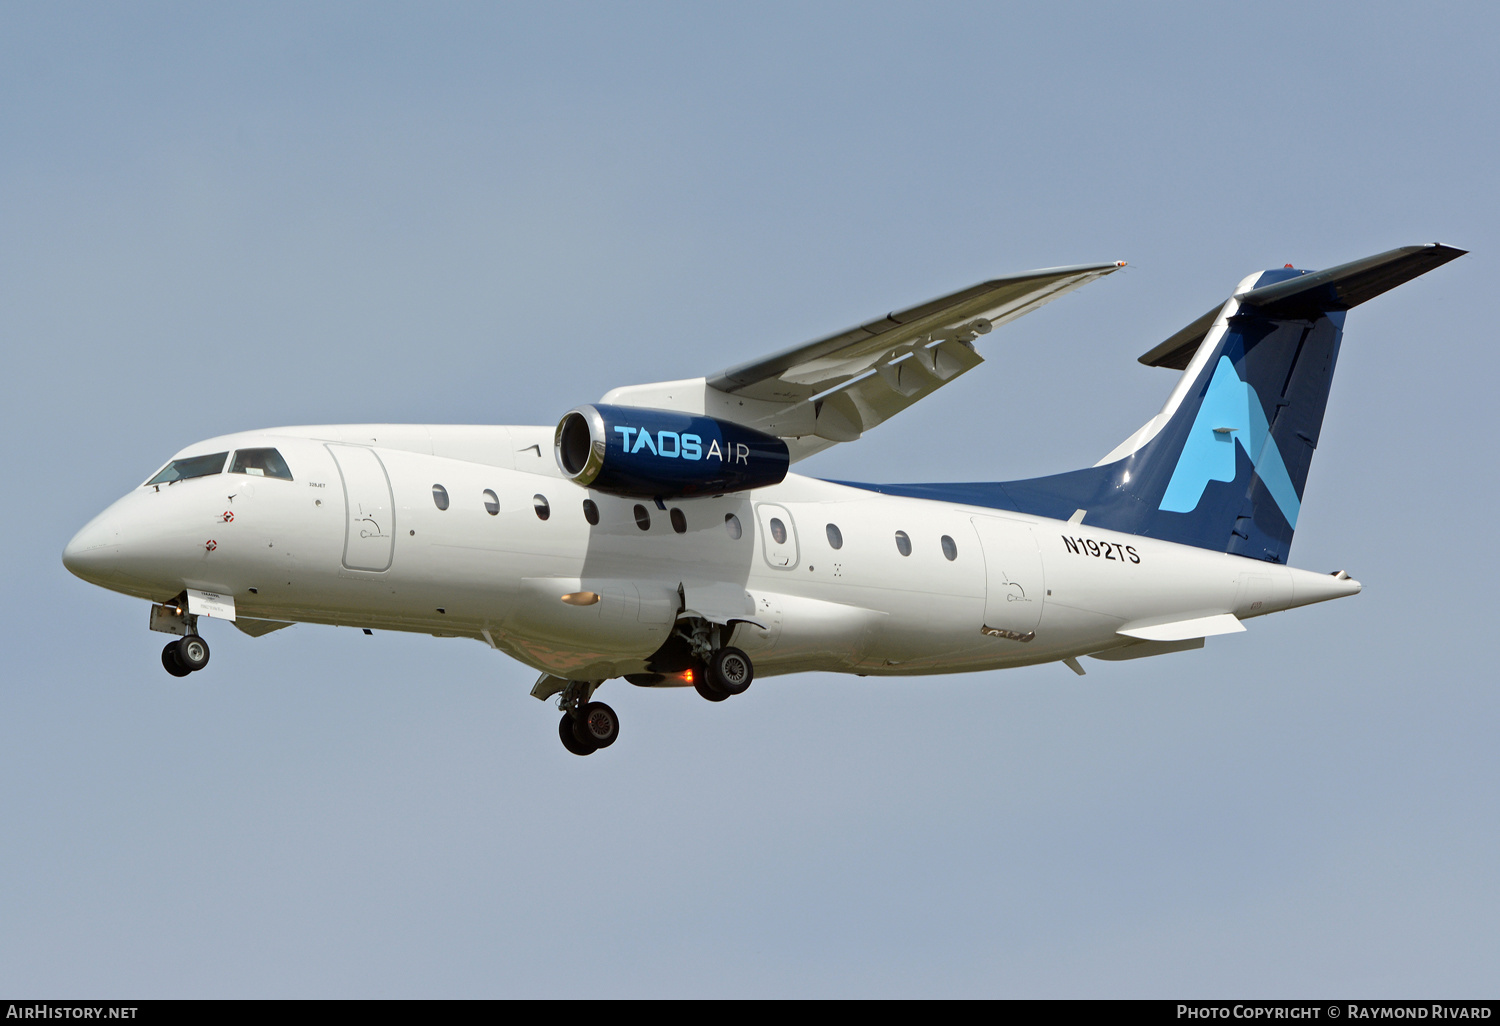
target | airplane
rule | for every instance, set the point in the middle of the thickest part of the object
(658, 534)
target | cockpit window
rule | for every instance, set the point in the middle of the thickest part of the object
(260, 463)
(190, 466)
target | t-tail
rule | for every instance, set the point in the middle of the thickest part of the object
(1224, 464)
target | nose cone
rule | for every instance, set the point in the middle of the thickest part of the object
(94, 552)
(146, 543)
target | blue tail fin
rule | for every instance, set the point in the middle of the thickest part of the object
(1223, 465)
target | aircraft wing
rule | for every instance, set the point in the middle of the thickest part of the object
(836, 388)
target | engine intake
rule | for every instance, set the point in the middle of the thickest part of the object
(646, 453)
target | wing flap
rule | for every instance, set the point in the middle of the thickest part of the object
(877, 395)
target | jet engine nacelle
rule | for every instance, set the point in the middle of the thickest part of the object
(646, 453)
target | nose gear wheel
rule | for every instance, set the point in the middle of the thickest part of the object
(192, 652)
(169, 661)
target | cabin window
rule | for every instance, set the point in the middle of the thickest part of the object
(591, 512)
(835, 537)
(542, 507)
(191, 466)
(260, 463)
(642, 517)
(903, 543)
(732, 525)
(950, 548)
(778, 530)
(439, 496)
(679, 521)
(491, 503)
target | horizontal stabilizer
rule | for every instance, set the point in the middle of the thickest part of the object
(1177, 352)
(1309, 295)
(1348, 285)
(1182, 630)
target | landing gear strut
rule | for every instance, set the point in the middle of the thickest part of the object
(586, 726)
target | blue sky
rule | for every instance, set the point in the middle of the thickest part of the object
(218, 220)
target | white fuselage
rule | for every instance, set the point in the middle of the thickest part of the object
(356, 537)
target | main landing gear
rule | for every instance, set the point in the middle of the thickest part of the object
(719, 671)
(586, 726)
(727, 673)
(185, 655)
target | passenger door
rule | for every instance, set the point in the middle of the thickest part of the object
(1013, 578)
(369, 517)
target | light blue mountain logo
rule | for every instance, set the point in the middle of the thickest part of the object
(1231, 414)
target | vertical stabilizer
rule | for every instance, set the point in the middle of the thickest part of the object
(1224, 464)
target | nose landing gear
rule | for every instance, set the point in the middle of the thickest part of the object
(185, 655)
(188, 652)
